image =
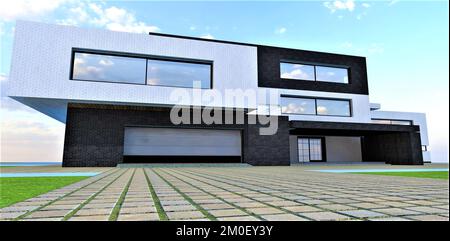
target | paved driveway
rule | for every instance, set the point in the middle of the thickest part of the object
(239, 193)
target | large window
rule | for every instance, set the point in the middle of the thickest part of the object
(313, 73)
(140, 70)
(297, 71)
(333, 107)
(392, 122)
(97, 67)
(315, 106)
(178, 73)
(331, 74)
(298, 106)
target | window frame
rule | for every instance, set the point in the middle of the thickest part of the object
(350, 101)
(323, 147)
(315, 71)
(139, 56)
(391, 121)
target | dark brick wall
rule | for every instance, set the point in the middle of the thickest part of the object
(268, 150)
(269, 70)
(393, 144)
(94, 135)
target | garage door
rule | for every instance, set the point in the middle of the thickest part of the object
(181, 142)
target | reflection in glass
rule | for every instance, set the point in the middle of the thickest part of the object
(298, 106)
(297, 71)
(330, 74)
(333, 107)
(169, 73)
(97, 67)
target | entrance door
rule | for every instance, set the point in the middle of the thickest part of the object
(310, 149)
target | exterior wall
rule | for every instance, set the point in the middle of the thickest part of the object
(269, 70)
(360, 107)
(343, 149)
(338, 149)
(95, 135)
(417, 118)
(235, 66)
(45, 71)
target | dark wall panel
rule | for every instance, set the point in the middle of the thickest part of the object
(95, 135)
(269, 70)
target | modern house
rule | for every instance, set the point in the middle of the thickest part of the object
(114, 91)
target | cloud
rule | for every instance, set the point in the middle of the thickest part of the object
(340, 5)
(296, 73)
(393, 2)
(366, 5)
(11, 10)
(105, 62)
(207, 36)
(281, 30)
(112, 18)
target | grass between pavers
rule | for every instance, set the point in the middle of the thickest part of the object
(435, 175)
(217, 197)
(16, 189)
(73, 212)
(253, 199)
(59, 198)
(192, 202)
(159, 208)
(115, 212)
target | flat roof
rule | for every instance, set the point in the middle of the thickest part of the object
(240, 43)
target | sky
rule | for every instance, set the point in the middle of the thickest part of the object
(406, 44)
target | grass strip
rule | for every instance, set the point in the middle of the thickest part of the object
(217, 197)
(17, 189)
(253, 199)
(73, 212)
(159, 209)
(115, 212)
(198, 207)
(57, 199)
(434, 175)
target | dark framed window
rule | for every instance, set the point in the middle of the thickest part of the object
(312, 72)
(392, 122)
(311, 149)
(315, 106)
(113, 67)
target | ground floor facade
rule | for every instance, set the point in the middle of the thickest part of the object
(108, 135)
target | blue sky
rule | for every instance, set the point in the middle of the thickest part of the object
(406, 45)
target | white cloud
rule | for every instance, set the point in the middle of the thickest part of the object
(105, 62)
(207, 36)
(112, 18)
(281, 30)
(393, 2)
(192, 28)
(340, 5)
(12, 9)
(366, 5)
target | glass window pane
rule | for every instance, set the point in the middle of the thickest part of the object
(107, 68)
(333, 107)
(401, 122)
(330, 74)
(297, 71)
(298, 106)
(380, 121)
(178, 74)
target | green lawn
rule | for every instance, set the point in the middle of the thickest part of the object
(437, 175)
(16, 189)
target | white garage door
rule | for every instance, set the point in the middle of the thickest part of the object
(181, 142)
